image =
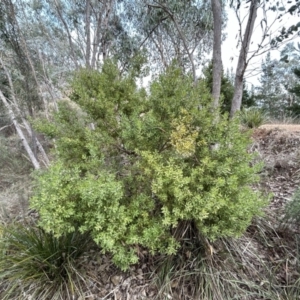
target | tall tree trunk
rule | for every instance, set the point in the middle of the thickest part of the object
(20, 132)
(68, 33)
(181, 34)
(96, 40)
(105, 42)
(217, 57)
(88, 34)
(19, 46)
(242, 62)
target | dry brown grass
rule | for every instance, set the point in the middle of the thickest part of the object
(288, 127)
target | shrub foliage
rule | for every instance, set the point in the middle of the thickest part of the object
(130, 166)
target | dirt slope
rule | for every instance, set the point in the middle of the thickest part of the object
(279, 148)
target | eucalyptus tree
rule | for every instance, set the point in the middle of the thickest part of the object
(291, 7)
(22, 90)
(18, 55)
(269, 37)
(243, 61)
(92, 30)
(217, 57)
(43, 41)
(180, 30)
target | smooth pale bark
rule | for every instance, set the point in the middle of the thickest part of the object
(190, 54)
(217, 57)
(25, 123)
(68, 33)
(159, 47)
(101, 43)
(105, 46)
(34, 75)
(20, 132)
(23, 45)
(49, 85)
(181, 34)
(96, 41)
(40, 147)
(88, 34)
(242, 62)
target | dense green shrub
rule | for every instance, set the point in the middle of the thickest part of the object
(131, 167)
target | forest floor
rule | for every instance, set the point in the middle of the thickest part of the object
(266, 246)
(278, 146)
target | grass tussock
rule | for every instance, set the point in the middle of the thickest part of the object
(36, 265)
(285, 119)
(252, 117)
(262, 264)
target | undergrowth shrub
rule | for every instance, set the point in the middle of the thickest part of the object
(130, 166)
(36, 265)
(252, 117)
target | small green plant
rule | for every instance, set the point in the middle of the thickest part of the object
(292, 209)
(36, 265)
(252, 117)
(230, 269)
(131, 167)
